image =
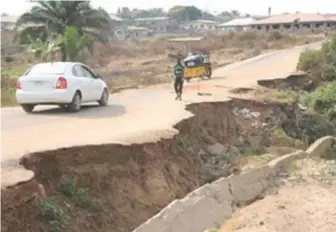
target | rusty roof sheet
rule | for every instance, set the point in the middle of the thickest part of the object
(290, 18)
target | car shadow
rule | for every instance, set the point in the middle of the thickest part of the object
(87, 111)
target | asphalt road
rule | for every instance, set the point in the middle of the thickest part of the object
(133, 116)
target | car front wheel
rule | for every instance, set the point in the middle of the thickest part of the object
(28, 108)
(104, 98)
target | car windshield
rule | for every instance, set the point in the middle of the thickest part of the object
(47, 68)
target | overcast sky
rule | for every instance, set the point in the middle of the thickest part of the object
(17, 7)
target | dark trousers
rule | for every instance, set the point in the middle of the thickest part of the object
(178, 85)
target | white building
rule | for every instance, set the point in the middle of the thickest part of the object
(238, 24)
(8, 22)
(157, 24)
(132, 32)
(201, 25)
(300, 22)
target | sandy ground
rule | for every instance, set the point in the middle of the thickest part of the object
(133, 116)
(305, 203)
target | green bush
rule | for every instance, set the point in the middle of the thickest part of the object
(310, 59)
(52, 214)
(321, 63)
(313, 127)
(80, 196)
(322, 100)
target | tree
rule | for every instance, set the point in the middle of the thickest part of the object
(185, 13)
(155, 12)
(59, 15)
(74, 43)
(235, 13)
(208, 16)
(71, 41)
(231, 14)
(45, 50)
(124, 12)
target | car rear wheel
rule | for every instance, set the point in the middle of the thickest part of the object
(104, 98)
(28, 108)
(76, 103)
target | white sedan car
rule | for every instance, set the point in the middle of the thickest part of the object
(67, 84)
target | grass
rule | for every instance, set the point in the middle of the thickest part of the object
(249, 148)
(13, 72)
(273, 95)
(8, 97)
(50, 213)
(281, 134)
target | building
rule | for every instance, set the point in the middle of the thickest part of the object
(132, 32)
(238, 24)
(295, 23)
(200, 25)
(8, 22)
(157, 24)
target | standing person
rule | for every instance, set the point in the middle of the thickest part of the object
(179, 75)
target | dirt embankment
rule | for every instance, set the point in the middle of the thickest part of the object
(127, 184)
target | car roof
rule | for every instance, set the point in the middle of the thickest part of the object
(61, 62)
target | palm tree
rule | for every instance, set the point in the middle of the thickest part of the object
(74, 43)
(58, 15)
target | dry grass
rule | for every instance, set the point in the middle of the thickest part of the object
(274, 95)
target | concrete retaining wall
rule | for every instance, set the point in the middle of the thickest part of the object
(211, 204)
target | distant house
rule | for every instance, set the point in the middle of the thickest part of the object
(157, 24)
(115, 18)
(131, 32)
(295, 23)
(8, 22)
(238, 24)
(201, 25)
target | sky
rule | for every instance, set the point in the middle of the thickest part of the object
(255, 7)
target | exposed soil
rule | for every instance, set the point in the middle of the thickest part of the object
(305, 202)
(129, 184)
(296, 81)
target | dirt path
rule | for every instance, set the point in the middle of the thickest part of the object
(306, 202)
(133, 116)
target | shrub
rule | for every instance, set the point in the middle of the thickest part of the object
(313, 127)
(52, 214)
(310, 59)
(275, 36)
(321, 63)
(323, 100)
(80, 196)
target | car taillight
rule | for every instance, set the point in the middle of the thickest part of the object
(61, 83)
(18, 85)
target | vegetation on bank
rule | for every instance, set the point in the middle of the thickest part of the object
(54, 211)
(321, 63)
(321, 66)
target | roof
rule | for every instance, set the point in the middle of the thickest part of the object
(290, 18)
(186, 39)
(237, 22)
(151, 19)
(204, 21)
(332, 17)
(116, 18)
(134, 28)
(9, 18)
